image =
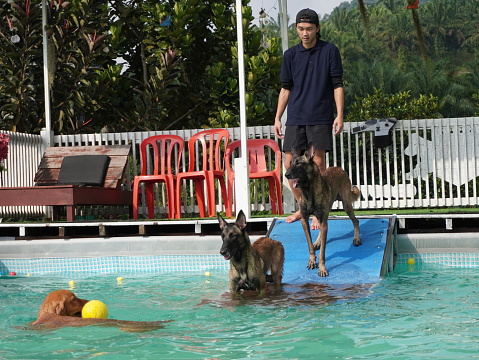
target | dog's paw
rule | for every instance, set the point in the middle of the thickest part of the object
(323, 272)
(317, 245)
(357, 241)
(246, 285)
(312, 265)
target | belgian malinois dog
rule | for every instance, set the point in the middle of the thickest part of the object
(318, 193)
(249, 264)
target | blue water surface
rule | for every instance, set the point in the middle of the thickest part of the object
(416, 312)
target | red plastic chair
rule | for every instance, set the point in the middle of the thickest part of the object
(258, 169)
(164, 150)
(205, 164)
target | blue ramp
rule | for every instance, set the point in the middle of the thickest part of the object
(346, 263)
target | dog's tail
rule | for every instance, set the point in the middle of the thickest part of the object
(356, 193)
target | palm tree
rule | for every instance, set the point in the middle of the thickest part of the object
(391, 5)
(438, 17)
(431, 79)
(364, 16)
(341, 19)
(397, 33)
(419, 33)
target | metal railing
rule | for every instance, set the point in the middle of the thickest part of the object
(430, 163)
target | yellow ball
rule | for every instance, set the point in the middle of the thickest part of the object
(207, 273)
(411, 261)
(95, 309)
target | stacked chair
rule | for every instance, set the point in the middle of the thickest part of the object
(209, 157)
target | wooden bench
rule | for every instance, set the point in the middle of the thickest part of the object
(46, 193)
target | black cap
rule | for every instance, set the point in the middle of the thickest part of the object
(307, 16)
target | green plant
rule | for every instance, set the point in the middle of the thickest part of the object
(400, 105)
(21, 87)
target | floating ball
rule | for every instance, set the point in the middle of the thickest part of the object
(411, 261)
(119, 280)
(13, 273)
(95, 309)
(207, 273)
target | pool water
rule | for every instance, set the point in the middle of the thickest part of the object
(418, 312)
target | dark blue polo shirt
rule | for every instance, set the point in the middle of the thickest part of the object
(311, 101)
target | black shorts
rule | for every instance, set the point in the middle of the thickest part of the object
(298, 137)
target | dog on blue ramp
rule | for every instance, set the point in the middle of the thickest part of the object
(318, 193)
(249, 264)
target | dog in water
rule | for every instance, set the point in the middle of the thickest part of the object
(318, 193)
(249, 264)
(62, 308)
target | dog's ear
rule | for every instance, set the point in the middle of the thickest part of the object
(222, 222)
(241, 220)
(59, 307)
(310, 152)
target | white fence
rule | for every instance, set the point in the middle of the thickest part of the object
(431, 163)
(24, 154)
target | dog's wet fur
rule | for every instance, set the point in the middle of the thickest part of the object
(250, 263)
(62, 308)
(318, 193)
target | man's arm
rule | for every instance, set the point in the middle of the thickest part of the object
(338, 123)
(282, 103)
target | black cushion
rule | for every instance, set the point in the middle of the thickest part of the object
(87, 170)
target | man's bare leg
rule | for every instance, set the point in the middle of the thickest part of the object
(315, 223)
(293, 217)
(320, 160)
(297, 195)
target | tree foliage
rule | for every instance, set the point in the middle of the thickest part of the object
(424, 52)
(133, 65)
(20, 66)
(399, 105)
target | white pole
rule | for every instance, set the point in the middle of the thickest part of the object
(288, 197)
(46, 83)
(283, 19)
(241, 165)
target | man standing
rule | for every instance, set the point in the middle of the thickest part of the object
(311, 87)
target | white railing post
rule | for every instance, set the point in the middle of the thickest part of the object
(47, 138)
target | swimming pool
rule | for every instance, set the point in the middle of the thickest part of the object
(422, 312)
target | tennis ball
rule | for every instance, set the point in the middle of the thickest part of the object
(207, 273)
(95, 309)
(411, 261)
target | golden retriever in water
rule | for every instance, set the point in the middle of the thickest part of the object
(63, 308)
